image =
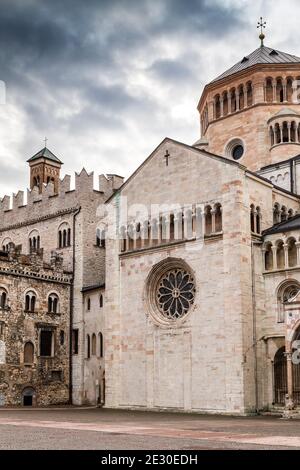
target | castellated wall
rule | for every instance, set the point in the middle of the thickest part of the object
(45, 213)
(45, 379)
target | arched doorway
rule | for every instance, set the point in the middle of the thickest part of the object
(28, 396)
(280, 377)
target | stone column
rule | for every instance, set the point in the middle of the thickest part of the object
(221, 106)
(290, 384)
(229, 102)
(237, 100)
(274, 252)
(298, 253)
(281, 132)
(263, 252)
(284, 90)
(274, 91)
(213, 221)
(245, 96)
(286, 255)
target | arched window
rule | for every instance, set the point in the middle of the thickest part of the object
(208, 220)
(233, 100)
(277, 134)
(100, 338)
(64, 236)
(225, 103)
(269, 90)
(293, 131)
(249, 94)
(30, 302)
(217, 107)
(292, 252)
(7, 245)
(218, 217)
(89, 303)
(28, 353)
(280, 255)
(285, 132)
(34, 241)
(279, 91)
(252, 218)
(283, 215)
(289, 89)
(258, 220)
(101, 300)
(241, 97)
(280, 377)
(94, 344)
(276, 214)
(3, 299)
(53, 303)
(268, 257)
(88, 346)
(286, 292)
(100, 238)
(272, 137)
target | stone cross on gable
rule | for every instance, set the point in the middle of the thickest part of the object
(45, 140)
(166, 156)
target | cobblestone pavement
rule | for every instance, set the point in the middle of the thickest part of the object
(77, 428)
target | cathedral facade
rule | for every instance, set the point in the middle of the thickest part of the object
(177, 289)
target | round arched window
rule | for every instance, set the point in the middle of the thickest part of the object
(235, 149)
(237, 152)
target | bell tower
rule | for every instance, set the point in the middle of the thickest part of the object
(44, 169)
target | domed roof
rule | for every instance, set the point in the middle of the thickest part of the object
(262, 55)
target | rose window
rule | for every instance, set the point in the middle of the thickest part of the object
(175, 293)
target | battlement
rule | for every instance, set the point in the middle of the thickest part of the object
(15, 209)
(15, 263)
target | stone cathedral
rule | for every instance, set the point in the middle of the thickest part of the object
(178, 289)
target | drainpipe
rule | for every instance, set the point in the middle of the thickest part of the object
(254, 325)
(72, 310)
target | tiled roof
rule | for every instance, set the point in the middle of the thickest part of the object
(45, 153)
(286, 226)
(262, 55)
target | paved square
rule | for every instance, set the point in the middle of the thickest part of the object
(78, 428)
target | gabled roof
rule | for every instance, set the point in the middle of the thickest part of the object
(286, 226)
(262, 55)
(45, 153)
(285, 111)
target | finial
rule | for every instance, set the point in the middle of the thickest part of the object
(45, 140)
(261, 24)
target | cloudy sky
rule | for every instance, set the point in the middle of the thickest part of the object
(107, 80)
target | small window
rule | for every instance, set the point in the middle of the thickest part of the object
(30, 302)
(88, 346)
(3, 299)
(94, 344)
(46, 343)
(53, 303)
(101, 301)
(100, 344)
(56, 375)
(89, 304)
(28, 353)
(62, 337)
(75, 343)
(237, 152)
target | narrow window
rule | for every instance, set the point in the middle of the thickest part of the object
(89, 303)
(88, 346)
(100, 344)
(62, 337)
(94, 344)
(46, 343)
(101, 301)
(75, 342)
(28, 353)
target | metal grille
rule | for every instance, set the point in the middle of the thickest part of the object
(280, 379)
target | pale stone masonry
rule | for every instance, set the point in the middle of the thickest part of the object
(183, 282)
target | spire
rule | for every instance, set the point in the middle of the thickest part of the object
(261, 24)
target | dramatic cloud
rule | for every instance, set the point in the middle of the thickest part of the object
(107, 80)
